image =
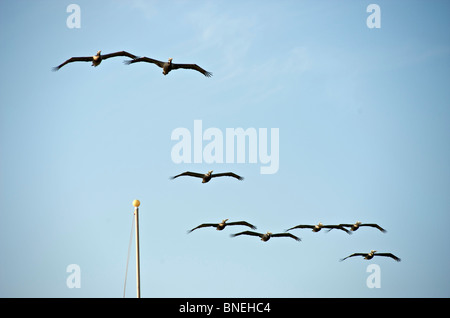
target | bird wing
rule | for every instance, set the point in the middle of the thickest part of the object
(301, 226)
(336, 227)
(145, 59)
(189, 173)
(287, 235)
(192, 67)
(346, 225)
(374, 225)
(247, 233)
(388, 255)
(354, 254)
(242, 223)
(332, 226)
(204, 225)
(120, 53)
(74, 59)
(226, 174)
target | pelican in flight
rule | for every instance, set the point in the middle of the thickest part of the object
(372, 254)
(266, 236)
(169, 66)
(208, 176)
(318, 227)
(354, 227)
(220, 226)
(96, 59)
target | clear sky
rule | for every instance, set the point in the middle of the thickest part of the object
(363, 116)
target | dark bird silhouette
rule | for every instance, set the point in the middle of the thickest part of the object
(220, 226)
(265, 237)
(169, 66)
(208, 176)
(96, 59)
(357, 225)
(318, 227)
(371, 254)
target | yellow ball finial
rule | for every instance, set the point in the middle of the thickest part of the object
(136, 203)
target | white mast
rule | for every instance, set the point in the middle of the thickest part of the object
(136, 204)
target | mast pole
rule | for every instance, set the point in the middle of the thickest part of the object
(136, 204)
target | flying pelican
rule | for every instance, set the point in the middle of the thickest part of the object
(96, 59)
(318, 227)
(372, 254)
(169, 66)
(265, 237)
(354, 227)
(208, 176)
(220, 226)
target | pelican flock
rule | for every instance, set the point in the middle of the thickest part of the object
(169, 66)
(166, 66)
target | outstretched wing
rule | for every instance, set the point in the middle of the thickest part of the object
(74, 59)
(204, 225)
(145, 59)
(374, 225)
(191, 174)
(192, 67)
(354, 254)
(246, 233)
(121, 53)
(339, 227)
(242, 223)
(301, 226)
(227, 174)
(287, 235)
(388, 255)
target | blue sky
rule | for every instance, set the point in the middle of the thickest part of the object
(363, 117)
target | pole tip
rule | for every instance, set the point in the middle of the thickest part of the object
(136, 203)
